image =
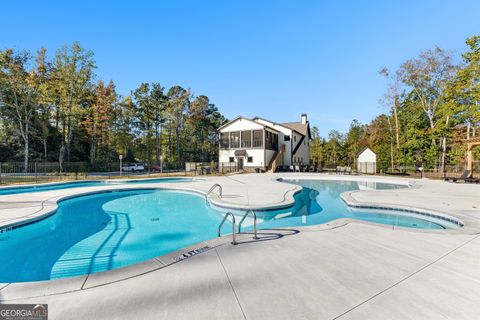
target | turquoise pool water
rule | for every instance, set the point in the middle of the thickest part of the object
(74, 184)
(109, 230)
(105, 231)
(320, 202)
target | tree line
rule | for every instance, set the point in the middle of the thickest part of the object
(56, 109)
(432, 106)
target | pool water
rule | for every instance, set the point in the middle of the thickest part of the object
(320, 202)
(105, 231)
(75, 184)
(109, 230)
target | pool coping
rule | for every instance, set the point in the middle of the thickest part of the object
(349, 200)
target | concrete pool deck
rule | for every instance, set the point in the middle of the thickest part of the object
(344, 270)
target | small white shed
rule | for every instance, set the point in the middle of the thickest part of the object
(367, 161)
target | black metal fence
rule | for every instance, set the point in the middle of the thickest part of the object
(227, 167)
(434, 173)
(37, 172)
(201, 168)
(410, 171)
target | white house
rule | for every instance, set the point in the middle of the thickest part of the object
(249, 144)
(367, 161)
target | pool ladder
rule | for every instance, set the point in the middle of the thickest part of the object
(216, 185)
(234, 241)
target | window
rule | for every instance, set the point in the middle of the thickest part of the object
(249, 159)
(224, 143)
(235, 139)
(257, 138)
(230, 159)
(294, 138)
(246, 139)
(286, 138)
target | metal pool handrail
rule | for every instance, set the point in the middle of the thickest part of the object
(211, 189)
(254, 222)
(233, 229)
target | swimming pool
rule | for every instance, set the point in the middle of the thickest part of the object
(79, 184)
(108, 230)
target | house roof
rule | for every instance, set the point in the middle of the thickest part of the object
(298, 127)
(230, 122)
(240, 117)
(274, 123)
(302, 128)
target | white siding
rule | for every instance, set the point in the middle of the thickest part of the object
(257, 155)
(367, 156)
(302, 156)
(303, 152)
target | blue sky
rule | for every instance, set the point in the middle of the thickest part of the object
(275, 59)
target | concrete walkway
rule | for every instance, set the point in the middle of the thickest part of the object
(344, 270)
(352, 272)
